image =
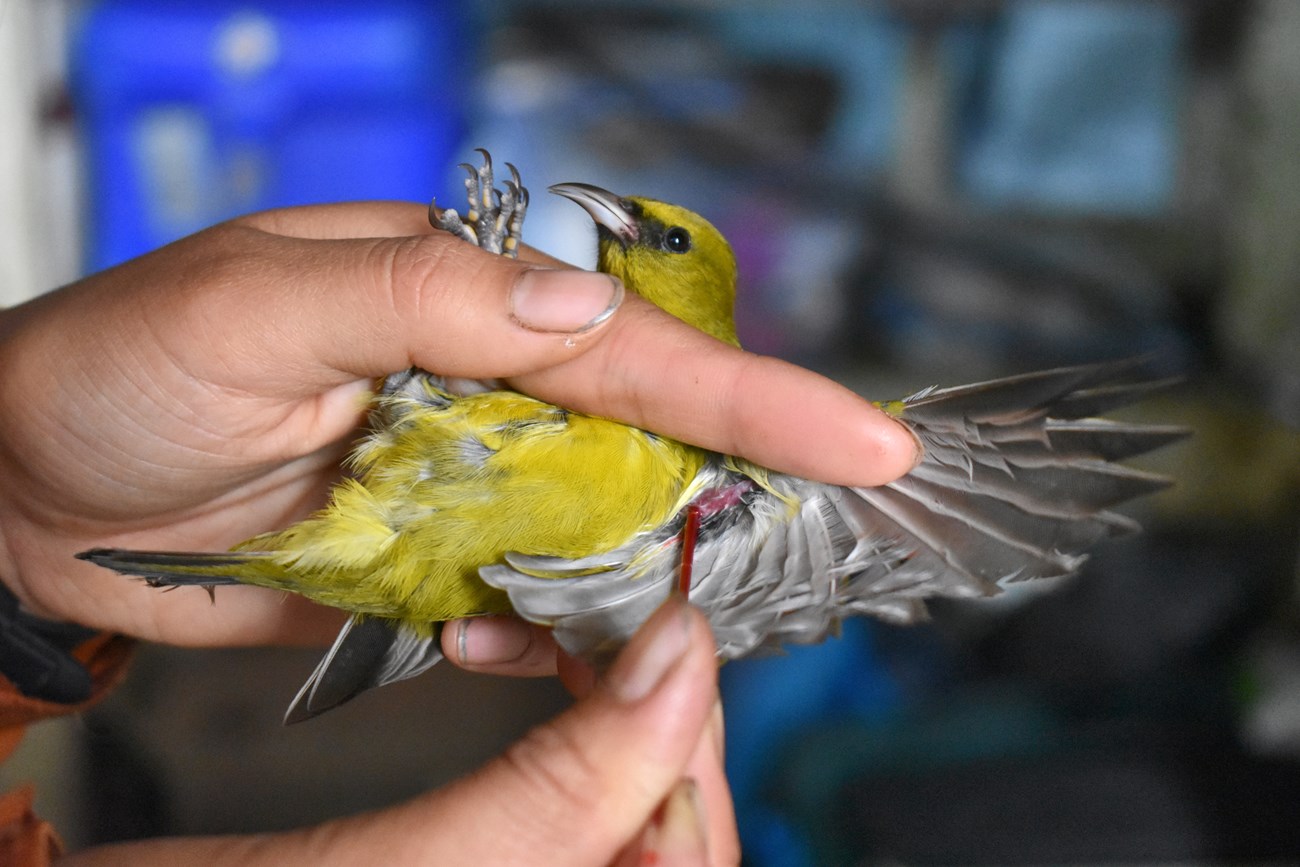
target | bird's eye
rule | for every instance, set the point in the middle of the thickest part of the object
(677, 240)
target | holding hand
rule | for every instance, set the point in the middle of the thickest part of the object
(631, 775)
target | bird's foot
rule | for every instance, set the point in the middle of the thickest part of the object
(495, 219)
(410, 389)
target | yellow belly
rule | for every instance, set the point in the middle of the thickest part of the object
(445, 490)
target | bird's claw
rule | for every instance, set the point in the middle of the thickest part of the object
(495, 219)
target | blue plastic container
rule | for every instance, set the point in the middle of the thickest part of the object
(192, 112)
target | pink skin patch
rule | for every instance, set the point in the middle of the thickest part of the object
(714, 500)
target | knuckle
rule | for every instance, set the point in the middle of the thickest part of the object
(432, 278)
(411, 269)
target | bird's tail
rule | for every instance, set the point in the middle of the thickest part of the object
(369, 651)
(184, 568)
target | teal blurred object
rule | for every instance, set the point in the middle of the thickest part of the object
(1079, 112)
(770, 702)
(191, 113)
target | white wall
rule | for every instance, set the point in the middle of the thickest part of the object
(39, 222)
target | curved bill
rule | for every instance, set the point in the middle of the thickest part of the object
(607, 209)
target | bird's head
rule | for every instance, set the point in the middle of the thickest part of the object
(672, 257)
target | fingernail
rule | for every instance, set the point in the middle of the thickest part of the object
(564, 301)
(900, 430)
(918, 447)
(652, 653)
(677, 831)
(718, 730)
(491, 641)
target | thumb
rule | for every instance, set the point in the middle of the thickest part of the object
(304, 314)
(578, 789)
(601, 784)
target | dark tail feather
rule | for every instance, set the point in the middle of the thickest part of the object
(368, 653)
(171, 568)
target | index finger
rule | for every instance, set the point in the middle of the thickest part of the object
(655, 372)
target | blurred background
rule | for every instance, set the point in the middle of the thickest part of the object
(918, 192)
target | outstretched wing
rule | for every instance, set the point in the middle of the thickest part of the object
(1018, 482)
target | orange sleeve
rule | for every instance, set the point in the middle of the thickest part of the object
(26, 840)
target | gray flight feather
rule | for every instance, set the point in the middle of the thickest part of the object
(1016, 484)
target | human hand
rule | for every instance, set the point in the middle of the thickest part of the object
(206, 392)
(634, 768)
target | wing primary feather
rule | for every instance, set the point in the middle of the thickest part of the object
(1092, 402)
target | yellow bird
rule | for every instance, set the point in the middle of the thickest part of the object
(464, 504)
